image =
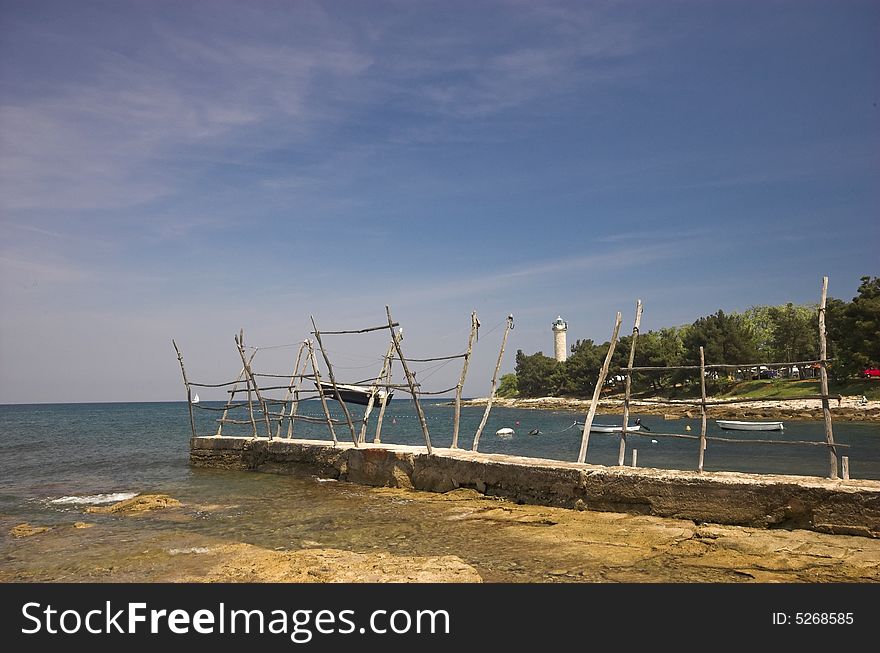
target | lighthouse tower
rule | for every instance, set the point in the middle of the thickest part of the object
(560, 350)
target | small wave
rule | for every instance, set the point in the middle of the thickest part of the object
(325, 480)
(94, 499)
(192, 549)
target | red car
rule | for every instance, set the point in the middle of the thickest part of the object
(872, 373)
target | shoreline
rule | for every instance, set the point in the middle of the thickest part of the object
(848, 409)
(539, 544)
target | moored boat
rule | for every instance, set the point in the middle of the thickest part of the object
(504, 433)
(354, 394)
(735, 425)
(611, 428)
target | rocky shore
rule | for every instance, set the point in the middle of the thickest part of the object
(528, 544)
(851, 409)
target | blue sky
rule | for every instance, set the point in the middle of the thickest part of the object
(181, 170)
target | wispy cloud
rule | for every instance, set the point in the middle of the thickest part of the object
(137, 126)
(474, 74)
(681, 236)
(20, 273)
(99, 142)
(479, 283)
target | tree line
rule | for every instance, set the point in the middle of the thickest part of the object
(785, 334)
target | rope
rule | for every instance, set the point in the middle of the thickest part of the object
(494, 327)
(431, 360)
(217, 385)
(292, 344)
(355, 367)
(436, 369)
(573, 424)
(220, 408)
(549, 432)
(438, 392)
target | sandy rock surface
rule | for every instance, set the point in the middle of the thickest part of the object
(139, 504)
(252, 564)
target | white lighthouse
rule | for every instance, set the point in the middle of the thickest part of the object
(560, 350)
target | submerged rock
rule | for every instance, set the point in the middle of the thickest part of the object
(26, 530)
(139, 504)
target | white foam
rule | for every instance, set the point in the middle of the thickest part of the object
(325, 480)
(192, 549)
(94, 499)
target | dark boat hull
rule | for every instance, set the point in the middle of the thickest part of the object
(349, 396)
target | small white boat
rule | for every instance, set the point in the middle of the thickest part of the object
(734, 425)
(504, 433)
(195, 399)
(611, 428)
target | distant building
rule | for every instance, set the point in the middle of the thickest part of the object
(560, 350)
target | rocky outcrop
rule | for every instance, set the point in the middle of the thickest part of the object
(850, 408)
(253, 564)
(26, 530)
(138, 505)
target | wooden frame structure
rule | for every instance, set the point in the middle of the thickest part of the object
(305, 367)
(704, 402)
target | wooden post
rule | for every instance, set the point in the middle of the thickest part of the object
(192, 421)
(483, 421)
(294, 379)
(385, 363)
(240, 342)
(844, 464)
(823, 375)
(632, 354)
(635, 458)
(333, 382)
(410, 380)
(475, 325)
(238, 380)
(229, 401)
(588, 424)
(249, 391)
(299, 369)
(321, 391)
(384, 401)
(702, 410)
(294, 405)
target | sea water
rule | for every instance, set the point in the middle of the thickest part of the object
(58, 459)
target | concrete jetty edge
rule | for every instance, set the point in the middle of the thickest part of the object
(850, 507)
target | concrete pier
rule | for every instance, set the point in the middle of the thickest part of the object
(772, 501)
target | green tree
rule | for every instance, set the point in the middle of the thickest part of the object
(534, 374)
(794, 334)
(760, 321)
(655, 349)
(724, 338)
(784, 333)
(854, 328)
(837, 331)
(578, 375)
(507, 386)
